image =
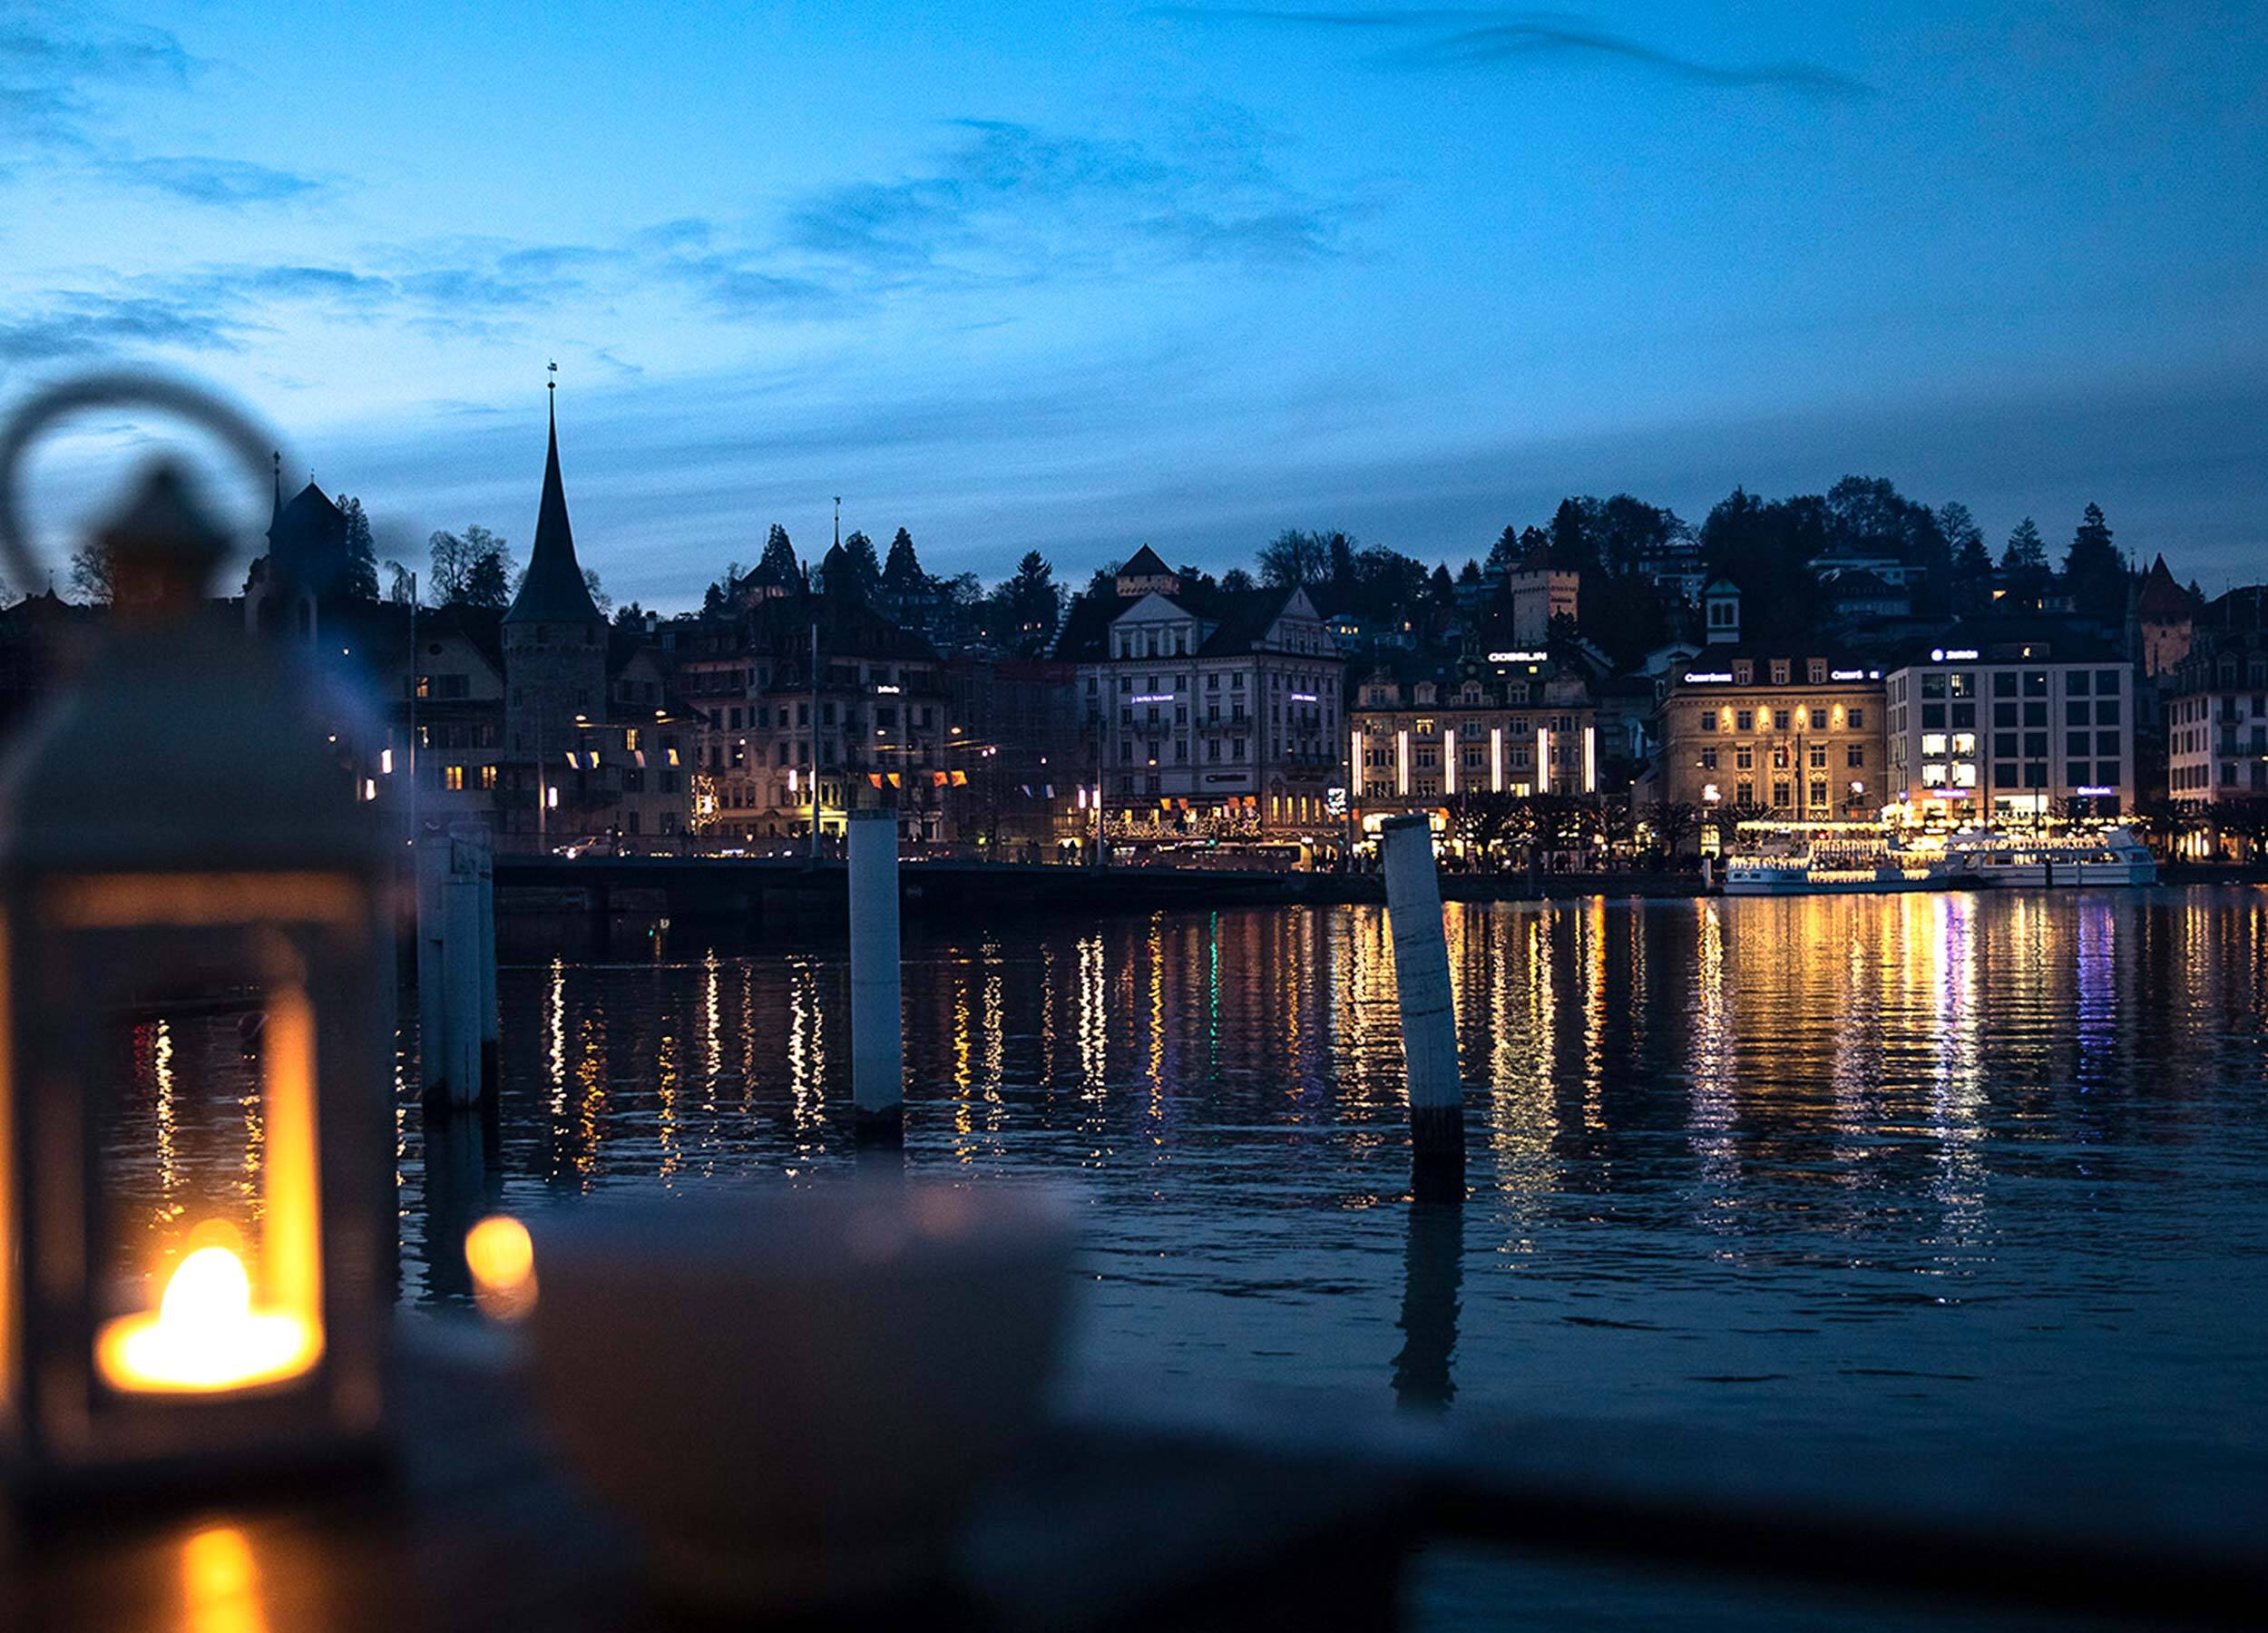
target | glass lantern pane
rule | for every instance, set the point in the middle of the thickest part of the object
(207, 1256)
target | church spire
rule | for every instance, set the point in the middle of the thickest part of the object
(553, 591)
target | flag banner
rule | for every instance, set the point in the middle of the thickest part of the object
(960, 779)
(875, 777)
(894, 780)
(1025, 790)
(936, 779)
(1050, 791)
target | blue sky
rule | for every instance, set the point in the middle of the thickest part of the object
(1073, 277)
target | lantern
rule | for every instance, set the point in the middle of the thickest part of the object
(196, 1197)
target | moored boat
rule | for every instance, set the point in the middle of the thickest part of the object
(2054, 860)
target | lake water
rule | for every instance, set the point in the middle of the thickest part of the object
(1952, 1168)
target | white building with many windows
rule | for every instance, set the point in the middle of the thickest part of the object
(2012, 724)
(1217, 712)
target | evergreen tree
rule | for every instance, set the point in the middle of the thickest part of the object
(1441, 586)
(2092, 570)
(860, 550)
(1469, 574)
(359, 579)
(717, 599)
(902, 574)
(1504, 554)
(2026, 552)
(779, 558)
(1033, 606)
(598, 597)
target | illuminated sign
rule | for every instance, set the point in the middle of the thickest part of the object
(1952, 654)
(1305, 698)
(887, 691)
(1335, 801)
(1517, 657)
(1708, 676)
(1846, 674)
(1154, 697)
(2095, 791)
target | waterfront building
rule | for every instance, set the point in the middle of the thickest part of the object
(593, 749)
(2012, 720)
(2215, 704)
(1759, 731)
(1214, 712)
(780, 739)
(1510, 721)
(2164, 618)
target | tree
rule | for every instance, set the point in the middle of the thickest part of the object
(1767, 548)
(1441, 589)
(1295, 556)
(2025, 552)
(865, 566)
(456, 557)
(1468, 575)
(359, 580)
(630, 616)
(1032, 604)
(1237, 581)
(717, 600)
(778, 559)
(2092, 570)
(598, 597)
(1504, 554)
(902, 574)
(401, 587)
(1673, 823)
(90, 574)
(489, 582)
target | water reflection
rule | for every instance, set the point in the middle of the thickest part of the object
(1922, 1161)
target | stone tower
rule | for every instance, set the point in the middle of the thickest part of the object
(554, 641)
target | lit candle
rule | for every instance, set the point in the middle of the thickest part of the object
(205, 1334)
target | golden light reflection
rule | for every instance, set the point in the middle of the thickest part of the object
(1093, 993)
(555, 1039)
(501, 1260)
(712, 1028)
(220, 1587)
(169, 1156)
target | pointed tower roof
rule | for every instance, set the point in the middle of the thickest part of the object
(2161, 599)
(553, 591)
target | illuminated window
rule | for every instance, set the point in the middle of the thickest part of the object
(453, 778)
(488, 776)
(1933, 742)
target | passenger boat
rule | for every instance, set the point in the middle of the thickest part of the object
(1775, 859)
(2054, 860)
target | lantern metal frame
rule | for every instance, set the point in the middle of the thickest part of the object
(182, 799)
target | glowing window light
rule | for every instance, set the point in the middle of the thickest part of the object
(1543, 760)
(385, 762)
(1496, 759)
(1401, 761)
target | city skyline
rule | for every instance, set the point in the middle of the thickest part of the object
(1009, 300)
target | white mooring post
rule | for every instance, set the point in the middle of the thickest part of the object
(877, 1020)
(456, 966)
(1429, 1016)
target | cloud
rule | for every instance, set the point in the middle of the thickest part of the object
(82, 324)
(1469, 38)
(56, 61)
(205, 180)
(1007, 201)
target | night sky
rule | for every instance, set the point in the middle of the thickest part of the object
(1071, 276)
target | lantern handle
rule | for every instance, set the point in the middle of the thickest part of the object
(234, 429)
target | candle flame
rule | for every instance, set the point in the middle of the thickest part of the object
(205, 1334)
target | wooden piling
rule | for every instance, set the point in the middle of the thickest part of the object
(878, 1018)
(432, 869)
(461, 985)
(1429, 1016)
